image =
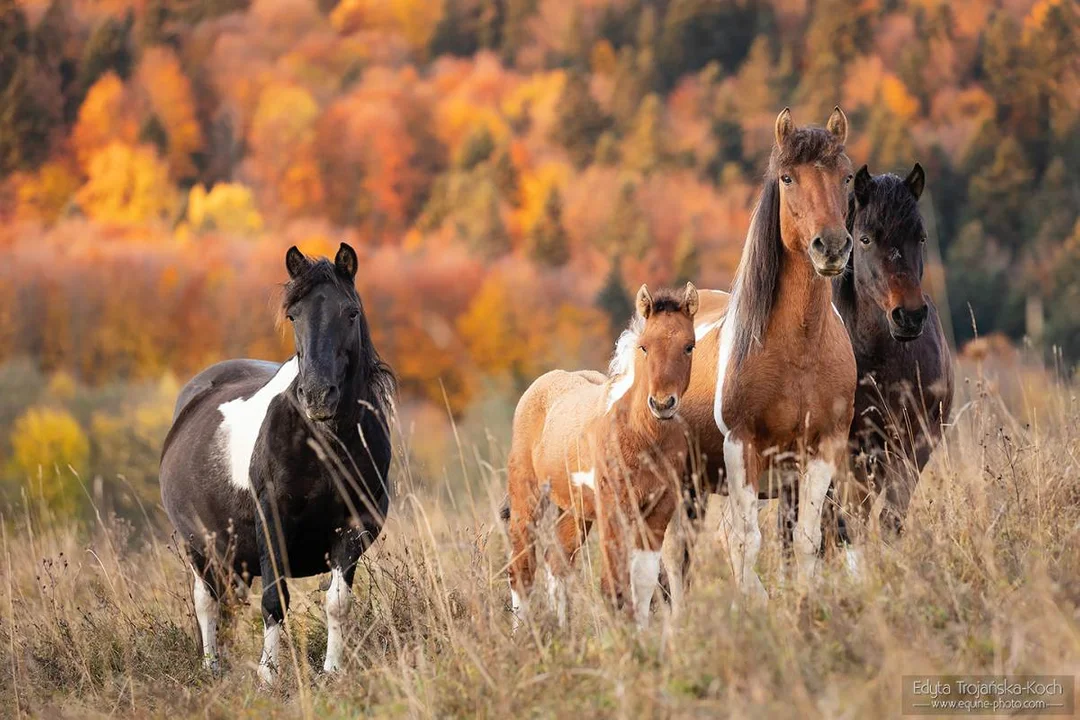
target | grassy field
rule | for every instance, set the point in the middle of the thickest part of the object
(96, 622)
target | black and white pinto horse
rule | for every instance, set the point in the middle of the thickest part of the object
(280, 470)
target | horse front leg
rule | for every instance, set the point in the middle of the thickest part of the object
(350, 545)
(273, 563)
(813, 491)
(740, 517)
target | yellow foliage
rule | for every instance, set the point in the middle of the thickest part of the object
(540, 93)
(283, 119)
(49, 441)
(1035, 18)
(106, 116)
(44, 195)
(173, 102)
(897, 98)
(415, 20)
(457, 119)
(62, 386)
(535, 187)
(229, 207)
(127, 185)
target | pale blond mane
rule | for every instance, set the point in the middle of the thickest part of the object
(621, 367)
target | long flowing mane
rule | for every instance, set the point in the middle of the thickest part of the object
(377, 380)
(753, 292)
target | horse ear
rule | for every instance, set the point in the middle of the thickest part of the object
(784, 126)
(863, 181)
(690, 300)
(916, 180)
(644, 302)
(346, 262)
(295, 262)
(837, 125)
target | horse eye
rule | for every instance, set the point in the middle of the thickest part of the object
(689, 348)
(847, 180)
(290, 318)
(786, 179)
(642, 348)
(865, 239)
(922, 240)
(353, 314)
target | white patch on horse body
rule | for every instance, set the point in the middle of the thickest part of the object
(556, 587)
(740, 521)
(268, 663)
(584, 479)
(727, 340)
(812, 492)
(621, 367)
(338, 601)
(206, 612)
(644, 571)
(242, 420)
(701, 331)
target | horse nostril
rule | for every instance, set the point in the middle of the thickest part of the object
(899, 317)
(848, 245)
(332, 395)
(818, 245)
(919, 316)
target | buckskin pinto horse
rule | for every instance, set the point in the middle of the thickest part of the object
(774, 380)
(905, 389)
(280, 470)
(609, 450)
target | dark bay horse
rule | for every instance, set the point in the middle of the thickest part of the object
(774, 380)
(280, 470)
(905, 368)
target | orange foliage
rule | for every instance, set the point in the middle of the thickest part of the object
(172, 101)
(106, 115)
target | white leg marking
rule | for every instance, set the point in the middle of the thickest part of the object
(671, 555)
(518, 610)
(644, 572)
(741, 520)
(268, 663)
(584, 479)
(206, 611)
(338, 602)
(556, 587)
(242, 419)
(853, 562)
(807, 541)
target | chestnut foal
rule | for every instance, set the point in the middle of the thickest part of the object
(605, 449)
(775, 376)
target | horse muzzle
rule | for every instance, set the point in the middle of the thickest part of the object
(829, 255)
(664, 410)
(907, 325)
(320, 404)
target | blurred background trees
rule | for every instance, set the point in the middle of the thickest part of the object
(510, 171)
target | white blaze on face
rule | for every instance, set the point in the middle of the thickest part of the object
(644, 571)
(242, 420)
(268, 663)
(206, 612)
(584, 479)
(338, 601)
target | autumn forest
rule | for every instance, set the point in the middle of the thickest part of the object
(509, 170)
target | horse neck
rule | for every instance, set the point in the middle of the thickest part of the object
(803, 301)
(865, 320)
(630, 419)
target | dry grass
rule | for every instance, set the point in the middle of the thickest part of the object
(987, 580)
